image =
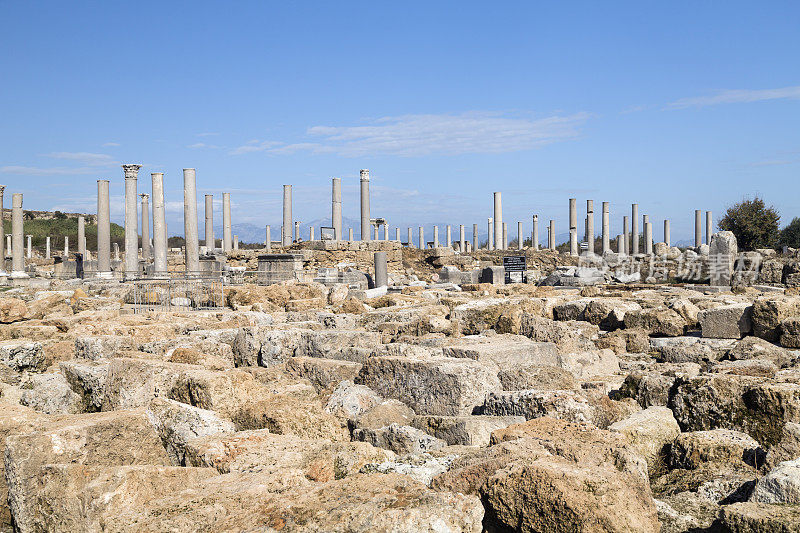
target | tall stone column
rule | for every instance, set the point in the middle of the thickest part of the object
(462, 247)
(131, 222)
(535, 233)
(375, 229)
(17, 244)
(573, 226)
(709, 227)
(590, 226)
(490, 242)
(145, 226)
(30, 246)
(606, 227)
(410, 240)
(236, 239)
(209, 233)
(47, 247)
(386, 232)
(421, 238)
(648, 238)
(159, 225)
(666, 233)
(520, 239)
(634, 229)
(227, 225)
(103, 229)
(190, 233)
(551, 235)
(436, 236)
(116, 251)
(286, 230)
(82, 236)
(698, 228)
(475, 242)
(2, 232)
(268, 242)
(365, 216)
(448, 236)
(626, 234)
(336, 208)
(498, 221)
(620, 244)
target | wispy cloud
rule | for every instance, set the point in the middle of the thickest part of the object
(199, 146)
(421, 135)
(206, 134)
(111, 144)
(738, 96)
(86, 158)
(42, 171)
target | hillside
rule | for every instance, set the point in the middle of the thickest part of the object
(61, 225)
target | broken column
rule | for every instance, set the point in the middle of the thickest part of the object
(462, 247)
(410, 239)
(209, 228)
(535, 233)
(397, 234)
(297, 230)
(350, 234)
(145, 226)
(365, 216)
(709, 227)
(236, 239)
(505, 236)
(490, 242)
(421, 238)
(520, 240)
(192, 240)
(268, 242)
(590, 226)
(381, 270)
(159, 225)
(286, 229)
(131, 222)
(573, 226)
(551, 235)
(386, 232)
(436, 236)
(116, 251)
(66, 246)
(698, 228)
(498, 221)
(648, 238)
(448, 236)
(606, 227)
(82, 236)
(30, 246)
(47, 247)
(475, 242)
(103, 229)
(227, 226)
(620, 244)
(666, 233)
(336, 208)
(17, 246)
(634, 229)
(626, 234)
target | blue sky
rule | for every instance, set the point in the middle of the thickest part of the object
(679, 106)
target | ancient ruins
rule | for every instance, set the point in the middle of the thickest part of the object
(427, 383)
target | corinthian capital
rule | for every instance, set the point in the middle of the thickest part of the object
(131, 171)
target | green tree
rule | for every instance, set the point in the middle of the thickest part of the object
(790, 236)
(753, 223)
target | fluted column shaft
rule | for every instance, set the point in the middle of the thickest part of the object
(227, 226)
(131, 221)
(190, 234)
(498, 221)
(103, 227)
(288, 227)
(159, 225)
(145, 226)
(17, 239)
(336, 208)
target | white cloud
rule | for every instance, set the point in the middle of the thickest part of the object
(421, 135)
(87, 158)
(738, 96)
(42, 171)
(203, 145)
(111, 144)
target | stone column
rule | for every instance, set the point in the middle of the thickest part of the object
(520, 240)
(103, 229)
(505, 236)
(606, 227)
(131, 222)
(620, 244)
(448, 236)
(590, 226)
(30, 246)
(82, 236)
(8, 243)
(709, 227)
(421, 238)
(269, 240)
(209, 233)
(475, 242)
(190, 231)
(498, 221)
(573, 227)
(159, 225)
(116, 252)
(350, 234)
(146, 251)
(46, 247)
(227, 225)
(551, 235)
(436, 236)
(336, 208)
(666, 233)
(365, 216)
(381, 270)
(648, 238)
(410, 240)
(310, 237)
(397, 234)
(698, 228)
(462, 247)
(2, 232)
(535, 233)
(634, 229)
(375, 229)
(236, 239)
(626, 234)
(297, 230)
(66, 247)
(286, 232)
(17, 244)
(490, 242)
(386, 232)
